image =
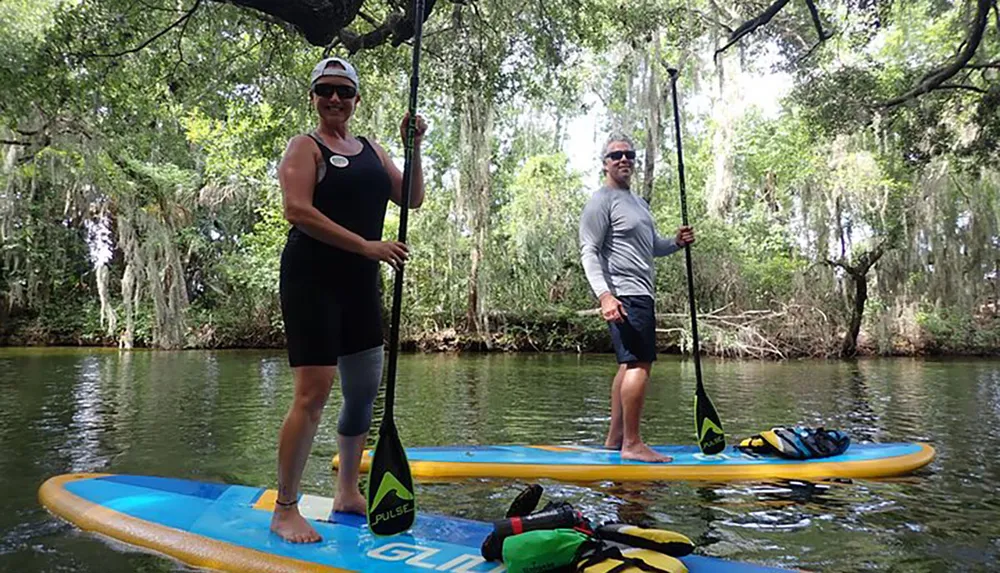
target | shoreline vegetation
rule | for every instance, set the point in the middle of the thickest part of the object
(787, 332)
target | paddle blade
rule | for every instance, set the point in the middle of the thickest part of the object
(708, 426)
(391, 505)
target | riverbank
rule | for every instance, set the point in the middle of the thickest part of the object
(780, 334)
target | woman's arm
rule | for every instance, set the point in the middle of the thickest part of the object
(416, 166)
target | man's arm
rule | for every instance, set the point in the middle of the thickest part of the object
(663, 246)
(594, 223)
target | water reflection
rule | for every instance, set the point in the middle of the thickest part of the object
(88, 424)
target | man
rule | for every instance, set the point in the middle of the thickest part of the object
(618, 242)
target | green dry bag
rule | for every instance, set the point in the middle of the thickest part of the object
(542, 550)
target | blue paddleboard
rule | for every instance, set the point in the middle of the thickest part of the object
(592, 463)
(226, 527)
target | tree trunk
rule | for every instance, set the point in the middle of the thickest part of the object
(859, 273)
(472, 301)
(475, 195)
(726, 109)
(108, 318)
(850, 346)
(653, 120)
(128, 243)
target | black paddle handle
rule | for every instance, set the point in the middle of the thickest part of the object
(397, 293)
(684, 221)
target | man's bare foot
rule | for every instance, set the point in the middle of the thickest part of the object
(643, 453)
(289, 524)
(350, 502)
(610, 444)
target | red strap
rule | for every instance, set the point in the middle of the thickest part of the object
(516, 525)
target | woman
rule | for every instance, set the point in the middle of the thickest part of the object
(336, 187)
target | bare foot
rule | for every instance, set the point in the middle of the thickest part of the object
(350, 502)
(610, 444)
(643, 453)
(289, 524)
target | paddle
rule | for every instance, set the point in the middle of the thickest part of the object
(707, 425)
(391, 504)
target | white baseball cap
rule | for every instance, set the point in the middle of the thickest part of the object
(328, 67)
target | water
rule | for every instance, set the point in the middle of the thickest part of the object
(215, 415)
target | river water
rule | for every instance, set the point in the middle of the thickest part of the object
(214, 416)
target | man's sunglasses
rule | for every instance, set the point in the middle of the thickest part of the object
(616, 155)
(327, 90)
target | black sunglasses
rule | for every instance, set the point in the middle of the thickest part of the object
(327, 90)
(616, 155)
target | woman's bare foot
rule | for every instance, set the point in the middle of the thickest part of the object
(350, 502)
(289, 524)
(643, 453)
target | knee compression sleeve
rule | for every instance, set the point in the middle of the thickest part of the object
(360, 377)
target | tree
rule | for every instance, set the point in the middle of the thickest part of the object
(977, 15)
(858, 272)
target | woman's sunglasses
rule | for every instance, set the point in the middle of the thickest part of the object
(616, 155)
(327, 90)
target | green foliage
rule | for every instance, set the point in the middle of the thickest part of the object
(538, 230)
(957, 331)
(174, 149)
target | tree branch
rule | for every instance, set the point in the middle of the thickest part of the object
(938, 77)
(812, 49)
(869, 259)
(273, 20)
(818, 23)
(865, 261)
(991, 65)
(154, 8)
(710, 20)
(733, 15)
(355, 42)
(842, 264)
(405, 28)
(180, 47)
(370, 19)
(319, 21)
(182, 20)
(396, 27)
(961, 87)
(12, 142)
(750, 26)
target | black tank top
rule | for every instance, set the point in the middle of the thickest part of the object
(353, 192)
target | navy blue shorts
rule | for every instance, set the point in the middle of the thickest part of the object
(635, 338)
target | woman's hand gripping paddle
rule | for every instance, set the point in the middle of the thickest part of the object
(392, 507)
(707, 425)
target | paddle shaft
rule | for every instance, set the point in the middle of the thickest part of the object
(397, 294)
(687, 248)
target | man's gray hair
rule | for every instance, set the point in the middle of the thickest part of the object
(616, 136)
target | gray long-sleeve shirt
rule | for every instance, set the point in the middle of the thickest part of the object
(618, 241)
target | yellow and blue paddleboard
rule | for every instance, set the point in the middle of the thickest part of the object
(226, 527)
(589, 463)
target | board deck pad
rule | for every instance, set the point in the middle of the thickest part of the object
(226, 527)
(594, 463)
